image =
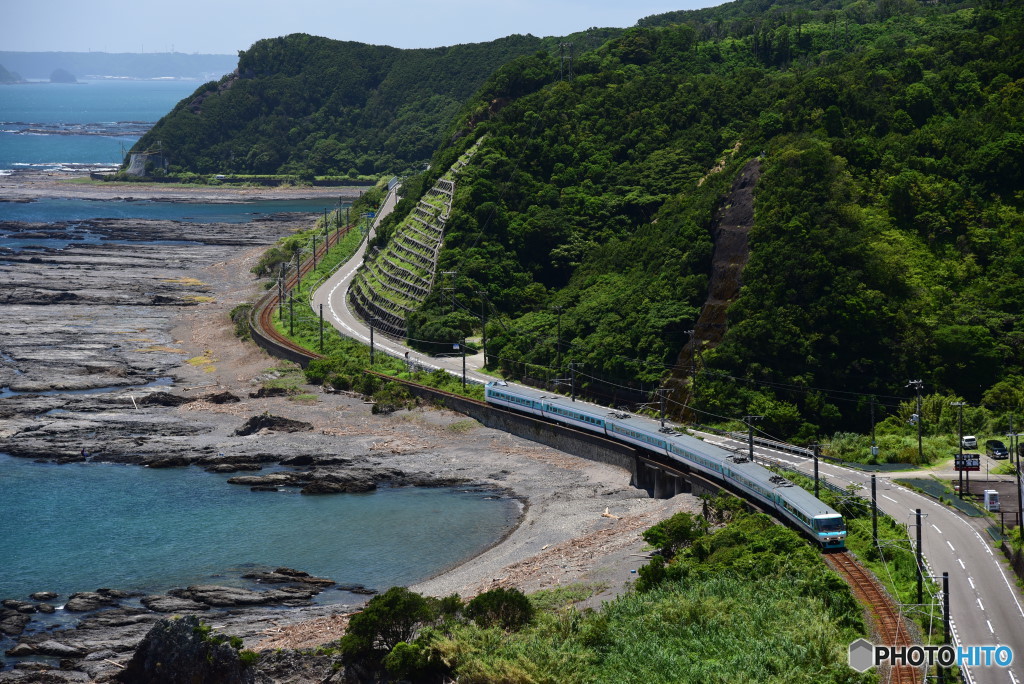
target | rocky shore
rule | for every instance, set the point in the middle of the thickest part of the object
(124, 350)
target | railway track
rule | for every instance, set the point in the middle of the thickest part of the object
(889, 624)
(262, 321)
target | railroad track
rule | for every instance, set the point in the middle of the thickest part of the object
(263, 321)
(890, 626)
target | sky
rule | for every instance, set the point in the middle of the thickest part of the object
(227, 26)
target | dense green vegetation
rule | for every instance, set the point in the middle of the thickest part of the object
(888, 236)
(306, 105)
(887, 242)
(743, 601)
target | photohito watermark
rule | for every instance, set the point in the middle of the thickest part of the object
(864, 655)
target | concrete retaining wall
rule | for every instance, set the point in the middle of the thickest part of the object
(575, 442)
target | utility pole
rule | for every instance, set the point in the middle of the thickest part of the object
(371, 344)
(920, 564)
(280, 294)
(917, 385)
(321, 328)
(451, 275)
(874, 511)
(314, 244)
(749, 420)
(874, 446)
(483, 319)
(815, 448)
(572, 382)
(661, 398)
(463, 348)
(960, 445)
(291, 313)
(558, 339)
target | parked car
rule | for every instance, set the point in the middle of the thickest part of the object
(969, 442)
(996, 449)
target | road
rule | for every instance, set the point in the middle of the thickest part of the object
(985, 604)
(333, 294)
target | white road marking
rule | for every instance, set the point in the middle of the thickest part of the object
(950, 546)
(980, 605)
(989, 623)
(889, 498)
(962, 566)
(971, 580)
(936, 528)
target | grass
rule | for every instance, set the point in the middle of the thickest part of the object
(184, 280)
(751, 602)
(158, 348)
(463, 426)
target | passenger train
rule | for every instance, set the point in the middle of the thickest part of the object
(814, 518)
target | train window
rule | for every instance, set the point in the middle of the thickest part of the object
(832, 523)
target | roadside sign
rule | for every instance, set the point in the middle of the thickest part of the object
(967, 462)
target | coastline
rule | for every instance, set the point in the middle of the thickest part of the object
(580, 520)
(30, 185)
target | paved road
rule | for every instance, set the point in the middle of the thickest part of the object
(333, 294)
(985, 604)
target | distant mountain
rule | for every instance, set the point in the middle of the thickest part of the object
(40, 65)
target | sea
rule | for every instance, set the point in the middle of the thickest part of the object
(79, 527)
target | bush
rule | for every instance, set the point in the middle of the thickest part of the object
(389, 618)
(509, 609)
(240, 317)
(675, 533)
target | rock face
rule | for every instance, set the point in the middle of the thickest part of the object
(288, 575)
(273, 423)
(12, 622)
(179, 650)
(89, 600)
(221, 398)
(215, 595)
(171, 604)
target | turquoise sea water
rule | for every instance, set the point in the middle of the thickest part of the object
(47, 125)
(81, 526)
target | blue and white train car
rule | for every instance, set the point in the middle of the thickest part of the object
(815, 518)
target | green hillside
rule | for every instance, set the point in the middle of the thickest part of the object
(888, 236)
(306, 105)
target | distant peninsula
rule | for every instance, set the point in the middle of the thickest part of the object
(9, 76)
(40, 66)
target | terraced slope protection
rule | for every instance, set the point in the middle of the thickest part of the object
(394, 281)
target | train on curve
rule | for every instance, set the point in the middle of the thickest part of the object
(813, 517)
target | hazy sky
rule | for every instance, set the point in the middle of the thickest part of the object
(227, 26)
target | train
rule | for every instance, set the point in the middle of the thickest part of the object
(813, 517)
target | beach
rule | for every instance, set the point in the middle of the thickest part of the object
(580, 520)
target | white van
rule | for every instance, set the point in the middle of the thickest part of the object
(969, 442)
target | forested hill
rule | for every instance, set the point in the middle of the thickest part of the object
(306, 105)
(888, 233)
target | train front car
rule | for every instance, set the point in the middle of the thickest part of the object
(830, 530)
